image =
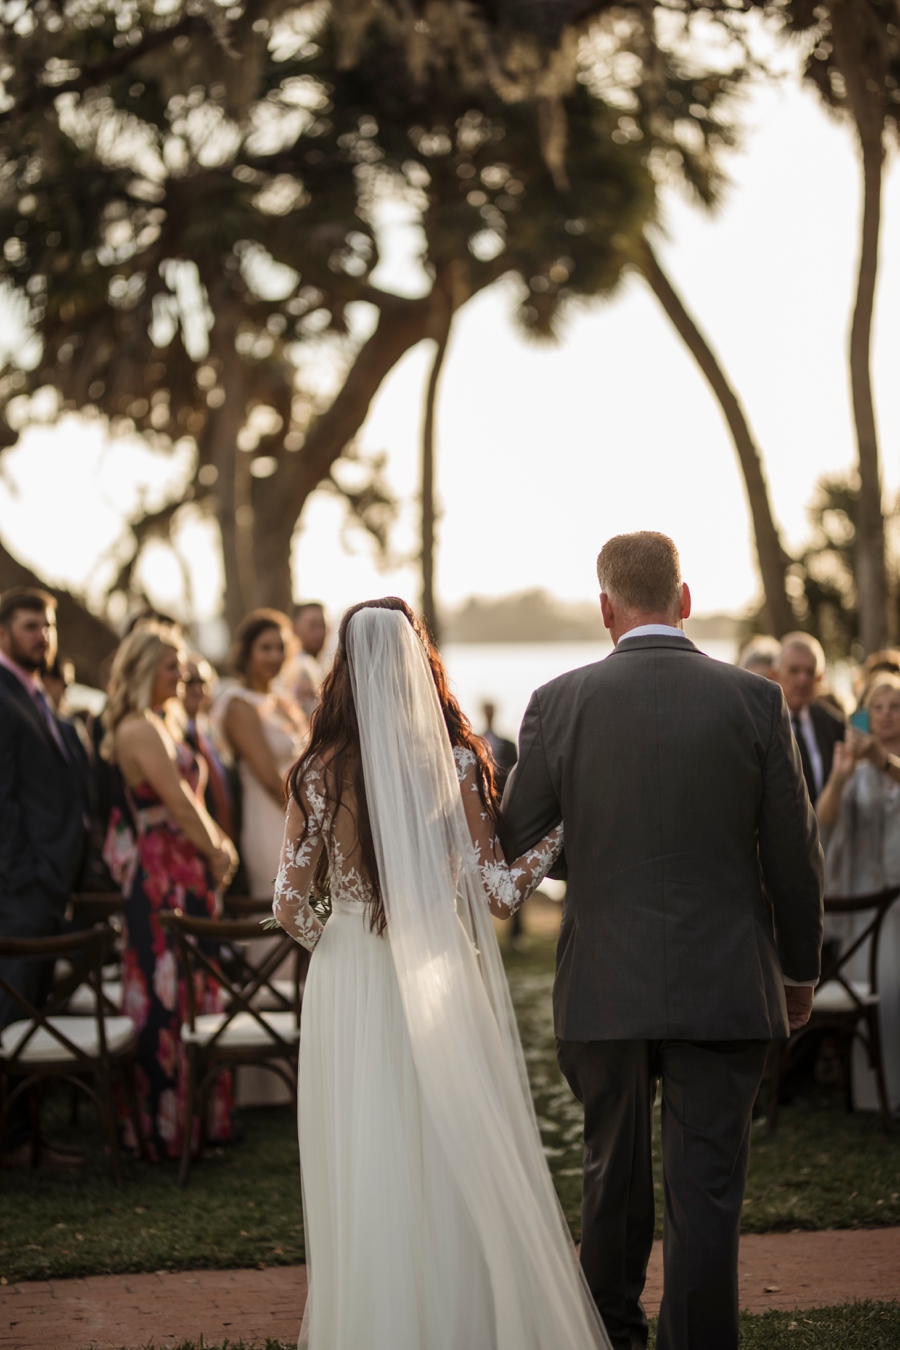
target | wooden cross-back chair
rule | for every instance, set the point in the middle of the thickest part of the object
(89, 908)
(98, 906)
(848, 1008)
(88, 1051)
(260, 1020)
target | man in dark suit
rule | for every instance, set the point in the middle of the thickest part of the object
(43, 818)
(690, 936)
(817, 727)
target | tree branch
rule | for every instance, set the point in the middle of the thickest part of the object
(41, 95)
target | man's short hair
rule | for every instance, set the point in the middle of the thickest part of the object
(30, 598)
(810, 643)
(642, 571)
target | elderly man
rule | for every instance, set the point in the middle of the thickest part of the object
(817, 727)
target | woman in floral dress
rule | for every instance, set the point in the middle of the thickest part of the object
(166, 853)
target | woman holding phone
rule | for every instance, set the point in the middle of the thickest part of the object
(859, 814)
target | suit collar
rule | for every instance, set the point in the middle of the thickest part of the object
(649, 641)
(14, 686)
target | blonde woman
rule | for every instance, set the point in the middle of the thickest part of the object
(165, 852)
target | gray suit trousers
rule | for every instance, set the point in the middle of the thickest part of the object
(708, 1091)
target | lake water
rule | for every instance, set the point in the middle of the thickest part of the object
(507, 673)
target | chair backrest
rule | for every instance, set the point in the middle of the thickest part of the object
(86, 954)
(97, 906)
(877, 904)
(242, 978)
(243, 906)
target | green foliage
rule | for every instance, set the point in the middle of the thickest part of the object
(852, 57)
(822, 582)
(188, 201)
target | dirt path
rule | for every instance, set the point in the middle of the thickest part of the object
(109, 1312)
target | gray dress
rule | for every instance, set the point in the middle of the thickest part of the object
(862, 853)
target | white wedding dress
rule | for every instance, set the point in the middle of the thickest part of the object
(430, 1217)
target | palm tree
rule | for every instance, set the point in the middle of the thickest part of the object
(777, 616)
(853, 60)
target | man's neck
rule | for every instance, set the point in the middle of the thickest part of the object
(633, 622)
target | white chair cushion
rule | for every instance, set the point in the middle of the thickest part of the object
(81, 1031)
(833, 997)
(243, 1031)
(82, 1001)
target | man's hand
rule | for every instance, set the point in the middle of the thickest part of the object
(799, 999)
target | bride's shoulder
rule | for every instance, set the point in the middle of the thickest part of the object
(466, 761)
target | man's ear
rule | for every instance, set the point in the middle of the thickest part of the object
(685, 601)
(606, 610)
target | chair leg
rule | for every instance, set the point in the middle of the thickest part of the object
(190, 1069)
(73, 1105)
(108, 1114)
(877, 1063)
(129, 1079)
(34, 1112)
(204, 1096)
(845, 1053)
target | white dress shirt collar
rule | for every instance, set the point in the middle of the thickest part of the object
(653, 630)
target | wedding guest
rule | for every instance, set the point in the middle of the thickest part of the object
(199, 684)
(875, 663)
(56, 678)
(817, 726)
(264, 732)
(43, 809)
(304, 672)
(166, 853)
(859, 814)
(761, 656)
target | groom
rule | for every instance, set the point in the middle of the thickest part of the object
(690, 935)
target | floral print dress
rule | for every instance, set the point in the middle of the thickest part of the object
(161, 870)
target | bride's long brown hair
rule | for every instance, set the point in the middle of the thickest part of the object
(334, 743)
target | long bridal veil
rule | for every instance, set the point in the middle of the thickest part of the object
(455, 998)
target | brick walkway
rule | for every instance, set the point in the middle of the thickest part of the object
(112, 1312)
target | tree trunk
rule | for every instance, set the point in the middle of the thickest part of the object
(83, 637)
(871, 577)
(234, 511)
(280, 499)
(272, 536)
(429, 510)
(778, 617)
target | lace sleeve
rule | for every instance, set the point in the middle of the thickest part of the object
(506, 885)
(299, 855)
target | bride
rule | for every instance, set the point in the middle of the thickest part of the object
(430, 1217)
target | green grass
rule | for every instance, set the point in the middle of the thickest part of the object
(853, 1326)
(241, 1207)
(823, 1169)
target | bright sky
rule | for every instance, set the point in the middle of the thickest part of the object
(545, 451)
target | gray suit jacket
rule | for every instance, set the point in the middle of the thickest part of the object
(691, 849)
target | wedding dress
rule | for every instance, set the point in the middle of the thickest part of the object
(430, 1217)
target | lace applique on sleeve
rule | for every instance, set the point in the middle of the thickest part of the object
(507, 885)
(299, 855)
